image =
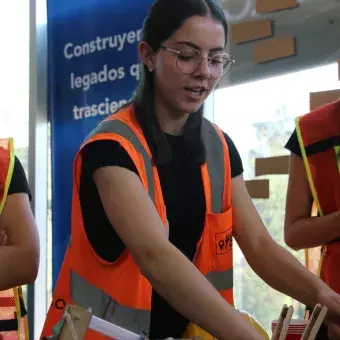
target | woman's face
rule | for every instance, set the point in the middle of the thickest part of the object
(178, 90)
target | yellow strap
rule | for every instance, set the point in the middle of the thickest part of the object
(9, 174)
(337, 155)
(26, 327)
(24, 319)
(307, 167)
(311, 185)
(18, 310)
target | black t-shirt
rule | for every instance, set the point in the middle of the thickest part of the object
(19, 181)
(184, 199)
(293, 144)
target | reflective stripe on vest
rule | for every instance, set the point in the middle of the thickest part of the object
(215, 163)
(221, 280)
(119, 128)
(103, 306)
(85, 295)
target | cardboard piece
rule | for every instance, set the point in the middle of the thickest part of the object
(318, 99)
(251, 30)
(266, 6)
(274, 48)
(278, 165)
(258, 188)
(80, 319)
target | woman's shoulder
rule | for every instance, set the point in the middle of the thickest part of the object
(19, 183)
(102, 153)
(236, 164)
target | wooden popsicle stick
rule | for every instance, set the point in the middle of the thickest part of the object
(286, 323)
(277, 330)
(318, 323)
(311, 322)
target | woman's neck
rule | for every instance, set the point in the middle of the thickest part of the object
(170, 122)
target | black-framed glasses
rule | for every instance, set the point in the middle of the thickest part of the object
(188, 60)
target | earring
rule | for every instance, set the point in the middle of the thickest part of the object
(150, 69)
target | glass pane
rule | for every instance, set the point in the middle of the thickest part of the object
(259, 117)
(49, 222)
(14, 106)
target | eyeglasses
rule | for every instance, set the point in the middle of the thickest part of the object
(188, 60)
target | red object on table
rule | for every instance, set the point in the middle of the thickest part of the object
(295, 330)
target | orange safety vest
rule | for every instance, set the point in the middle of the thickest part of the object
(118, 292)
(322, 127)
(13, 320)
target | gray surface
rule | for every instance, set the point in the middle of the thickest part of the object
(315, 23)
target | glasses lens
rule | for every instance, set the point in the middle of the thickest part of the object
(188, 60)
(220, 65)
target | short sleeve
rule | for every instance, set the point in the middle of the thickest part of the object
(293, 144)
(104, 153)
(103, 238)
(235, 158)
(19, 182)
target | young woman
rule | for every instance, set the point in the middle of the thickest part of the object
(19, 242)
(314, 177)
(159, 193)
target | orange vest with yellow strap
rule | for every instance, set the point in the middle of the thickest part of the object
(321, 129)
(118, 292)
(13, 323)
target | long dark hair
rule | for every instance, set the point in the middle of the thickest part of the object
(164, 18)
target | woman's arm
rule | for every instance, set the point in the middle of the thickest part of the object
(276, 266)
(19, 257)
(301, 230)
(136, 220)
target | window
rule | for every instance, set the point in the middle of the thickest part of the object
(259, 117)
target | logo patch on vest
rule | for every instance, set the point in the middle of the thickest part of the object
(224, 242)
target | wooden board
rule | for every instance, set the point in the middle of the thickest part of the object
(278, 165)
(318, 99)
(80, 319)
(274, 48)
(251, 30)
(266, 6)
(258, 188)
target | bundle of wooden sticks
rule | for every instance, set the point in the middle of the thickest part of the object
(76, 321)
(312, 328)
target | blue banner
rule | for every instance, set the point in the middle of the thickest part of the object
(93, 70)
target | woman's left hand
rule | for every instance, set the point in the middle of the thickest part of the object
(333, 332)
(331, 300)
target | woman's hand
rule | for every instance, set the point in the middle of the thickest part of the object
(333, 332)
(327, 297)
(331, 300)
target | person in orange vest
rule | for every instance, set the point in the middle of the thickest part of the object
(158, 196)
(314, 177)
(19, 245)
